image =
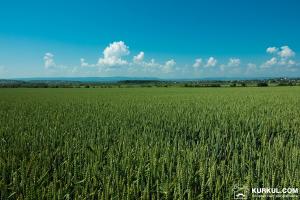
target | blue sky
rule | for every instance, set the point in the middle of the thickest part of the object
(172, 39)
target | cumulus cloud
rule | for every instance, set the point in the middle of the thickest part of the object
(112, 55)
(115, 61)
(168, 66)
(147, 66)
(211, 62)
(139, 58)
(286, 52)
(83, 63)
(49, 61)
(272, 50)
(234, 62)
(113, 58)
(284, 61)
(198, 63)
(54, 69)
(152, 63)
(232, 66)
(140, 64)
(291, 62)
(269, 63)
(281, 58)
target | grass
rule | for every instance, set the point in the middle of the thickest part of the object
(147, 143)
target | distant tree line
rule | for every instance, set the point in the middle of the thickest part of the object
(202, 85)
(148, 83)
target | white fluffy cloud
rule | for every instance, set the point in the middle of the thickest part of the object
(286, 52)
(234, 62)
(232, 66)
(269, 63)
(54, 69)
(168, 66)
(211, 62)
(139, 58)
(49, 61)
(198, 63)
(285, 55)
(112, 55)
(83, 63)
(272, 50)
(149, 66)
(114, 62)
(282, 57)
(113, 58)
(152, 63)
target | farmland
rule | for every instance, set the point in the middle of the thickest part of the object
(147, 143)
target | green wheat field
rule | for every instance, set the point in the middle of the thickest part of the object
(147, 143)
